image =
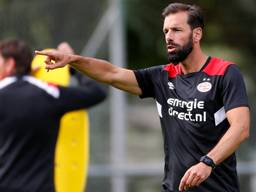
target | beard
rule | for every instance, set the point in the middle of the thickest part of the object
(181, 53)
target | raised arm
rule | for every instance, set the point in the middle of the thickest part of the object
(97, 69)
(96, 89)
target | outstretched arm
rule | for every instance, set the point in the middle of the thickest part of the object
(97, 69)
(97, 90)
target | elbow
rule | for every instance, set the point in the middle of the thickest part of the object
(101, 95)
(245, 133)
(245, 124)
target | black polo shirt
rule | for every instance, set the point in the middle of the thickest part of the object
(192, 111)
(30, 113)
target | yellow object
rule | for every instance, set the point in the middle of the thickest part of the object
(72, 149)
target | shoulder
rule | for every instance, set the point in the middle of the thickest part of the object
(49, 88)
(150, 70)
(217, 66)
(7, 81)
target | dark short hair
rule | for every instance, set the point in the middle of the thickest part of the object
(20, 52)
(195, 15)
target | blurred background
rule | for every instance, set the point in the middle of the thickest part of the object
(126, 148)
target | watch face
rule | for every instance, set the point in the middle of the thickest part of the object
(208, 161)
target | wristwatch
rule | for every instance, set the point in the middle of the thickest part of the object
(208, 161)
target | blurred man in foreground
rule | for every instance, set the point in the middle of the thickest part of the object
(29, 120)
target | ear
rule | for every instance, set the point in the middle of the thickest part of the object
(10, 67)
(197, 34)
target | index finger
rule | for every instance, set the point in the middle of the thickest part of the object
(44, 52)
(183, 181)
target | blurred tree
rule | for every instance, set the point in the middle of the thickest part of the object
(46, 23)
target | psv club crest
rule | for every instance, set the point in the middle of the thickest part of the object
(204, 86)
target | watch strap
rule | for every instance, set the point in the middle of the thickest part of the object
(208, 161)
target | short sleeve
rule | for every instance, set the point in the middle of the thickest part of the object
(146, 79)
(233, 89)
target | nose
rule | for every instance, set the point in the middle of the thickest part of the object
(168, 36)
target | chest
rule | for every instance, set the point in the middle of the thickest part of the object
(198, 86)
(197, 95)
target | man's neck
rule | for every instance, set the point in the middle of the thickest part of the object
(194, 62)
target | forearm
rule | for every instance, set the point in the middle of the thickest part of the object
(98, 89)
(238, 131)
(97, 69)
(105, 72)
(228, 144)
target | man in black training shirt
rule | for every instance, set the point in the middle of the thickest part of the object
(201, 101)
(30, 113)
